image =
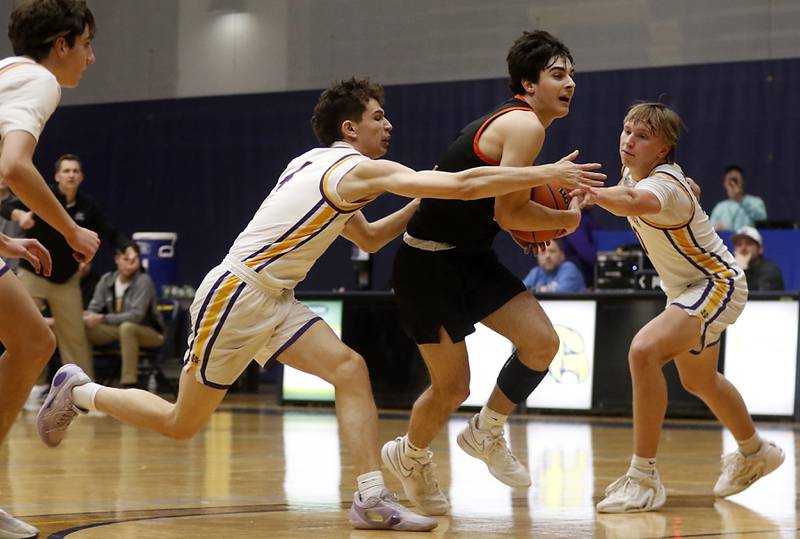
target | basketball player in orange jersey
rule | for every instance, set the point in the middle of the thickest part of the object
(447, 277)
(245, 307)
(706, 291)
(52, 46)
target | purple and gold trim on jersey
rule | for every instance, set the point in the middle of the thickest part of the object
(11, 66)
(710, 264)
(3, 267)
(215, 309)
(311, 224)
(324, 188)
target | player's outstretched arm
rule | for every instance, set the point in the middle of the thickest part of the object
(371, 178)
(620, 200)
(21, 176)
(371, 237)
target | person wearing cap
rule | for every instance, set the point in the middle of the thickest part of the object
(739, 209)
(761, 272)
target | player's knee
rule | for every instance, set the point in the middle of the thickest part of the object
(351, 371)
(38, 348)
(181, 431)
(539, 354)
(640, 355)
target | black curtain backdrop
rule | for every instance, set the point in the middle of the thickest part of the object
(201, 166)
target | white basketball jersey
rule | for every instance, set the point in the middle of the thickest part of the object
(300, 218)
(29, 94)
(679, 240)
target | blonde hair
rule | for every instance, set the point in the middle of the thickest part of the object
(661, 120)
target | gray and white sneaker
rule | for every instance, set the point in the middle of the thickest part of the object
(740, 471)
(490, 446)
(59, 409)
(634, 492)
(14, 528)
(417, 478)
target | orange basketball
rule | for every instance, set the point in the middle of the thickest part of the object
(552, 197)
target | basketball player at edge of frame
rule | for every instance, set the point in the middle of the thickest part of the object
(52, 44)
(447, 277)
(706, 292)
(245, 307)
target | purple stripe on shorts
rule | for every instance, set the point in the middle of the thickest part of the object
(293, 338)
(4, 268)
(204, 307)
(213, 338)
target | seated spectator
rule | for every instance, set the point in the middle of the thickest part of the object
(554, 273)
(740, 209)
(124, 308)
(761, 273)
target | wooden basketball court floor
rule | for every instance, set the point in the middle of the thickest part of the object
(260, 471)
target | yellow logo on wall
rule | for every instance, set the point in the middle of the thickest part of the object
(570, 365)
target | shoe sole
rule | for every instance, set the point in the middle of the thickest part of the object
(747, 486)
(387, 461)
(469, 450)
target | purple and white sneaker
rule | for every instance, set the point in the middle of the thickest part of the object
(58, 409)
(385, 512)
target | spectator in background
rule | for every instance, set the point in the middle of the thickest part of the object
(761, 273)
(554, 273)
(740, 209)
(61, 289)
(124, 308)
(7, 226)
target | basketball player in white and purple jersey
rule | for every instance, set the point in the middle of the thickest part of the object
(245, 307)
(706, 292)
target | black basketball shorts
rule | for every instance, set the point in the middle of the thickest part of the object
(450, 289)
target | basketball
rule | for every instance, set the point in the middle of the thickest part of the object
(552, 197)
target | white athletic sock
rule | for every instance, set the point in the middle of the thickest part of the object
(751, 445)
(643, 464)
(488, 418)
(370, 485)
(412, 451)
(83, 396)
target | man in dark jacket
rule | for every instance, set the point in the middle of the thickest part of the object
(762, 273)
(124, 308)
(61, 289)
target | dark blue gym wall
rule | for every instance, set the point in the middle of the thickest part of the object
(201, 166)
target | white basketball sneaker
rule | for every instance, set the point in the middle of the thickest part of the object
(634, 492)
(740, 471)
(13, 528)
(490, 446)
(417, 477)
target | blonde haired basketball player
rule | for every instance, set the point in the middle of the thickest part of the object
(52, 47)
(245, 307)
(706, 292)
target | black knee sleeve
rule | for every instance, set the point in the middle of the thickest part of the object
(518, 381)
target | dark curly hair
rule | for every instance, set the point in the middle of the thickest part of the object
(36, 24)
(532, 53)
(343, 100)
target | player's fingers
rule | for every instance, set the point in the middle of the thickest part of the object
(43, 255)
(34, 261)
(588, 166)
(570, 156)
